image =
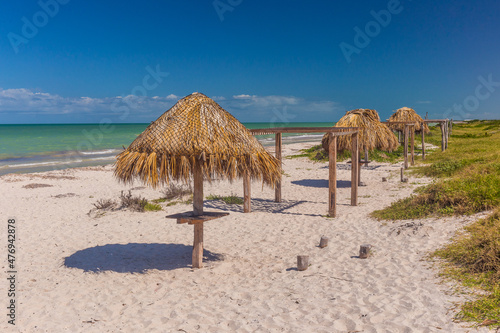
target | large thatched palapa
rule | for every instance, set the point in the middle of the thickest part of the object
(372, 133)
(406, 114)
(196, 137)
(195, 130)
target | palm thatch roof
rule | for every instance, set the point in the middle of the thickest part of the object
(407, 114)
(372, 133)
(195, 130)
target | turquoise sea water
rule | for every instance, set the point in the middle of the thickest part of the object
(35, 148)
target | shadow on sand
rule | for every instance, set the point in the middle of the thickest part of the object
(321, 183)
(259, 205)
(135, 257)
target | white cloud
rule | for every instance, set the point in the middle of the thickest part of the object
(243, 105)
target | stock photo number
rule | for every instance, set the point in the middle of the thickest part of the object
(11, 270)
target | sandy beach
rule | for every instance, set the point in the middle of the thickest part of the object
(131, 272)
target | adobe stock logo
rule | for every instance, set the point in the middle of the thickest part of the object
(372, 29)
(222, 6)
(49, 9)
(471, 103)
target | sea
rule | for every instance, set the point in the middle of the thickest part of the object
(47, 147)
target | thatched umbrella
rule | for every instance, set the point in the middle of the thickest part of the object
(407, 114)
(196, 137)
(196, 134)
(372, 133)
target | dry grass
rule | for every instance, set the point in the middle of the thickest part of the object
(407, 114)
(195, 130)
(35, 185)
(372, 133)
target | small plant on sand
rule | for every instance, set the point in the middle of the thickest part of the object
(131, 202)
(105, 204)
(175, 191)
(151, 207)
(229, 199)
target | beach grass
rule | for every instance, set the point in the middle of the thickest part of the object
(229, 199)
(468, 176)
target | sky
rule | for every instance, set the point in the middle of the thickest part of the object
(70, 61)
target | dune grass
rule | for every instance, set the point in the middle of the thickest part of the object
(468, 176)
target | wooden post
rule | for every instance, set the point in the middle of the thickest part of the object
(405, 148)
(423, 140)
(441, 125)
(366, 156)
(402, 174)
(302, 263)
(354, 169)
(198, 188)
(323, 242)
(198, 246)
(447, 134)
(332, 179)
(451, 125)
(277, 153)
(364, 251)
(247, 205)
(358, 159)
(412, 143)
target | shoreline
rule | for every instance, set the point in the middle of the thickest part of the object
(60, 160)
(129, 270)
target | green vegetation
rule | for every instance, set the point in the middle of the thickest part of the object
(149, 207)
(230, 199)
(474, 259)
(468, 175)
(468, 181)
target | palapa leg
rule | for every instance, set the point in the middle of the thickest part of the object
(198, 189)
(278, 143)
(197, 261)
(332, 180)
(247, 206)
(354, 170)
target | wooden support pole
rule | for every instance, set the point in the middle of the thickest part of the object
(277, 153)
(354, 169)
(302, 263)
(247, 205)
(447, 134)
(405, 148)
(198, 189)
(423, 140)
(451, 125)
(359, 167)
(412, 144)
(198, 246)
(364, 251)
(332, 179)
(441, 125)
(323, 242)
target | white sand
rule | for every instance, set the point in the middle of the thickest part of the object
(130, 271)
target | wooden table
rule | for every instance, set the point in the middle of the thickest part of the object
(197, 221)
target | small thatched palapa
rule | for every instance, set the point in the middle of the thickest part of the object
(372, 133)
(407, 114)
(196, 130)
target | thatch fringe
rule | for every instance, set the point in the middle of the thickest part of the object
(372, 133)
(407, 114)
(195, 130)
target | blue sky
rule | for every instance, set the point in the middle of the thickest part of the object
(69, 61)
